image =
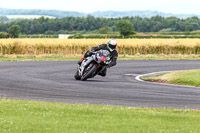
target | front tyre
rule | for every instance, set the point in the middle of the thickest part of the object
(76, 76)
(89, 73)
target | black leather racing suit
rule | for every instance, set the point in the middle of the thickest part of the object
(113, 55)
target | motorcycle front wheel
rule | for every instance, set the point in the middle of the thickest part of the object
(89, 73)
(76, 76)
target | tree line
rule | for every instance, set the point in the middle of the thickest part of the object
(92, 24)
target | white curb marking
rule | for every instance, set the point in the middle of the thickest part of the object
(138, 78)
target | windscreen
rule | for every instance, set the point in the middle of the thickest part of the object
(104, 53)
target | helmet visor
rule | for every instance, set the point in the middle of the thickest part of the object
(112, 46)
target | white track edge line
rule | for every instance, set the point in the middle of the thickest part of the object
(138, 78)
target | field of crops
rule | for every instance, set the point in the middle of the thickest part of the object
(79, 46)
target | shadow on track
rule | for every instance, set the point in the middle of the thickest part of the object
(93, 80)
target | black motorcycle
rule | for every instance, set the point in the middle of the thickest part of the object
(93, 65)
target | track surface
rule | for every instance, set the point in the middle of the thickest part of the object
(54, 81)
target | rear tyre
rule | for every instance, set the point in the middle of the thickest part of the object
(90, 72)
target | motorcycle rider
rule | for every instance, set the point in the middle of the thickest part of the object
(111, 47)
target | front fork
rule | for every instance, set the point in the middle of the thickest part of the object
(84, 65)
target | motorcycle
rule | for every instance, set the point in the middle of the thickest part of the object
(93, 65)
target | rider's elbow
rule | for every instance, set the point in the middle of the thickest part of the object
(93, 49)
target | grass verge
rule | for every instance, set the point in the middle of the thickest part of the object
(39, 58)
(189, 77)
(78, 57)
(28, 116)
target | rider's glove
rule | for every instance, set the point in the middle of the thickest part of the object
(88, 53)
(92, 51)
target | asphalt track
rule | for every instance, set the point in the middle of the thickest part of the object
(54, 81)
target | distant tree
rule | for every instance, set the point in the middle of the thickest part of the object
(3, 19)
(49, 32)
(3, 35)
(14, 31)
(187, 29)
(125, 28)
(78, 35)
(91, 24)
(104, 30)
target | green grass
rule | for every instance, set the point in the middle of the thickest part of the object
(39, 58)
(189, 77)
(35, 117)
(159, 58)
(59, 58)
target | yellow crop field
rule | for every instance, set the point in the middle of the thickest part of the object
(79, 46)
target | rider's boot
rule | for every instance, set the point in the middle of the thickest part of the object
(103, 73)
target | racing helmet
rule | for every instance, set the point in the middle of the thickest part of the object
(111, 45)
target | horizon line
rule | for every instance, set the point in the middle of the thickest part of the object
(102, 11)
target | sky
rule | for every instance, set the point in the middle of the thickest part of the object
(167, 6)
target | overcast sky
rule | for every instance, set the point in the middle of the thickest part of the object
(167, 6)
